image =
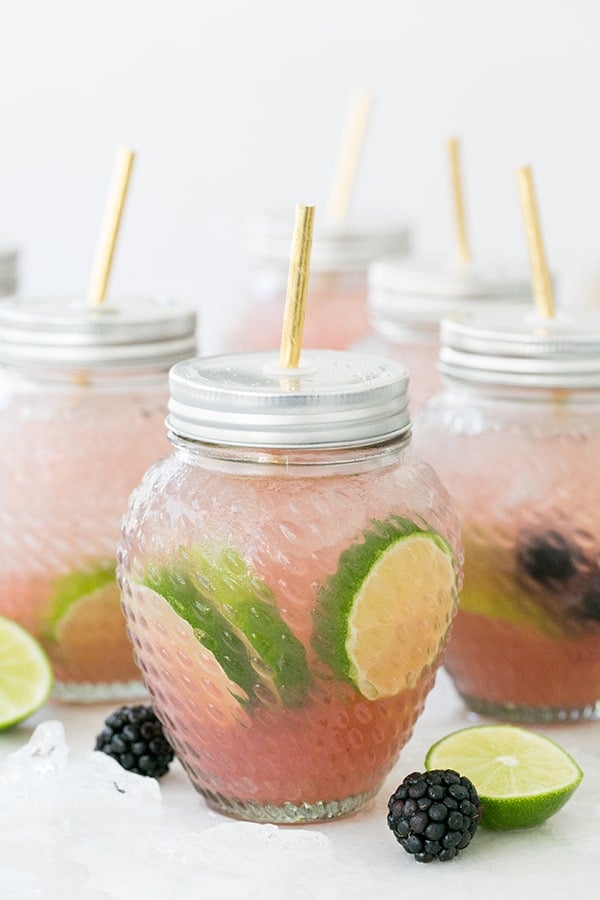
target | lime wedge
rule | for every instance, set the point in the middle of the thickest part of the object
(383, 617)
(25, 674)
(69, 589)
(234, 615)
(522, 777)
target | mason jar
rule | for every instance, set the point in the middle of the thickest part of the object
(8, 269)
(408, 298)
(336, 313)
(515, 435)
(83, 394)
(289, 575)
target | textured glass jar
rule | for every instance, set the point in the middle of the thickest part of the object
(516, 438)
(83, 394)
(240, 558)
(8, 269)
(336, 313)
(408, 298)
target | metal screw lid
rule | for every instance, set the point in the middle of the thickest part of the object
(416, 294)
(333, 399)
(73, 335)
(510, 345)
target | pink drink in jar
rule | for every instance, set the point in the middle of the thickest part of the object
(516, 437)
(84, 396)
(289, 577)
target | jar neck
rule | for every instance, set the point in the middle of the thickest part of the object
(324, 461)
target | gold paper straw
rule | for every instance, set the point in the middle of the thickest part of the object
(540, 276)
(349, 159)
(109, 231)
(297, 286)
(460, 222)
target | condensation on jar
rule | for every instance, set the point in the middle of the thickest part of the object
(84, 393)
(242, 560)
(515, 436)
(336, 306)
(408, 298)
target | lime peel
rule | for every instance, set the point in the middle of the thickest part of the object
(67, 590)
(522, 777)
(26, 675)
(383, 616)
(234, 615)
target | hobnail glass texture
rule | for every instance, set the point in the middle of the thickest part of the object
(325, 754)
(71, 455)
(524, 476)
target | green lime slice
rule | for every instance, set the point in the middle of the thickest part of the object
(522, 777)
(249, 605)
(68, 590)
(382, 618)
(234, 615)
(25, 674)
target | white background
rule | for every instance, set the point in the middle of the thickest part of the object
(236, 106)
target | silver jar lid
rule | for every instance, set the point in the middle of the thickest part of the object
(333, 399)
(348, 247)
(513, 346)
(69, 335)
(416, 294)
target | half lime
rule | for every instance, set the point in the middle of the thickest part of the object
(522, 777)
(25, 674)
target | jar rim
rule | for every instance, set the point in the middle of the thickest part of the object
(333, 399)
(512, 346)
(68, 333)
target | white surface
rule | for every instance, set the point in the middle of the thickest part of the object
(353, 858)
(240, 105)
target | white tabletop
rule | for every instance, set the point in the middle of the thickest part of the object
(166, 853)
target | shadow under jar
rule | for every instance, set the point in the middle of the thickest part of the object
(83, 393)
(516, 437)
(289, 576)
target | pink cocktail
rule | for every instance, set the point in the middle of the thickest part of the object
(289, 577)
(84, 395)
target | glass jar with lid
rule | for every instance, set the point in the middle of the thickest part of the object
(408, 298)
(336, 307)
(83, 393)
(289, 577)
(516, 437)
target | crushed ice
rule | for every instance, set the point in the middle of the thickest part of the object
(89, 828)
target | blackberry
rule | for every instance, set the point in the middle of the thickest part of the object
(434, 814)
(134, 737)
(547, 558)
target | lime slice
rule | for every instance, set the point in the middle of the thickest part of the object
(522, 777)
(90, 640)
(383, 617)
(25, 674)
(70, 589)
(233, 615)
(249, 605)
